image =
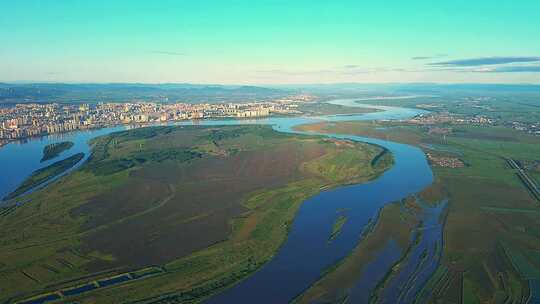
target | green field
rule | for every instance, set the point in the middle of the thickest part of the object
(206, 206)
(492, 225)
(503, 107)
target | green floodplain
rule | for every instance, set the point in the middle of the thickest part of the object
(53, 150)
(189, 210)
(79, 233)
(491, 235)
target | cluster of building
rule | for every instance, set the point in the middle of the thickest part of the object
(531, 128)
(482, 104)
(27, 120)
(435, 118)
(450, 118)
(439, 130)
(445, 161)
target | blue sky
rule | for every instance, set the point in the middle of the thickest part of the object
(270, 41)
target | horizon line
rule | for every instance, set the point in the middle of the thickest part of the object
(28, 82)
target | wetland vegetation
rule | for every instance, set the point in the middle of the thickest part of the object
(53, 150)
(208, 205)
(491, 215)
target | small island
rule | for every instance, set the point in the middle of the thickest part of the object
(44, 174)
(53, 150)
(338, 225)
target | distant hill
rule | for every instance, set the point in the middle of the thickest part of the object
(369, 89)
(125, 92)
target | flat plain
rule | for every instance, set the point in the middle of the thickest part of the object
(161, 210)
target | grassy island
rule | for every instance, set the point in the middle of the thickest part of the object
(338, 225)
(176, 213)
(53, 150)
(44, 174)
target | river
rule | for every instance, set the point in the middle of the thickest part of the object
(306, 252)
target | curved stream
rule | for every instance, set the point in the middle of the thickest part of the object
(306, 253)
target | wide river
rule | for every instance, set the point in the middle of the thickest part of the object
(306, 253)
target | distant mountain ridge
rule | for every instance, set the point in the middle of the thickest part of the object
(389, 89)
(126, 92)
(214, 93)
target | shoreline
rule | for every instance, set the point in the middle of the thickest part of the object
(372, 109)
(287, 126)
(139, 125)
(295, 206)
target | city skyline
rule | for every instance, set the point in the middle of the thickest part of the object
(270, 42)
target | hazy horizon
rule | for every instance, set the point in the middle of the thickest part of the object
(33, 82)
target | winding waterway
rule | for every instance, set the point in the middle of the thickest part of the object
(306, 253)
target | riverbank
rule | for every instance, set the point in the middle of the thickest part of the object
(44, 174)
(311, 226)
(312, 109)
(139, 169)
(393, 229)
(490, 211)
